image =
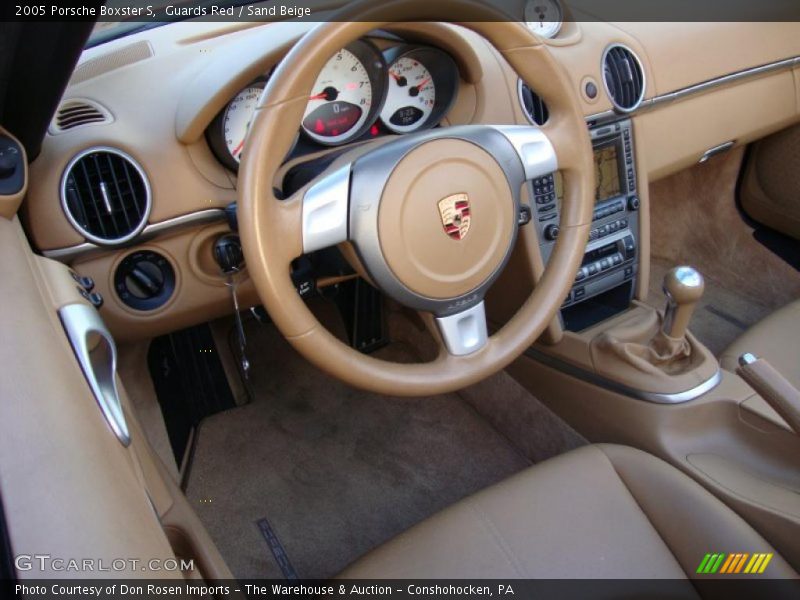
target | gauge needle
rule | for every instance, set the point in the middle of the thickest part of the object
(330, 94)
(401, 81)
(414, 91)
(423, 84)
(235, 152)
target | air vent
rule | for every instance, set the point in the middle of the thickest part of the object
(105, 195)
(77, 112)
(623, 77)
(532, 105)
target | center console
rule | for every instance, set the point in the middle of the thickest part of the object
(609, 266)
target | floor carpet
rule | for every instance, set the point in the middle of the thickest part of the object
(694, 220)
(333, 470)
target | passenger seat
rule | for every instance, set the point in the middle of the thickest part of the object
(775, 338)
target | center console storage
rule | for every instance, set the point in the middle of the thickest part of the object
(609, 267)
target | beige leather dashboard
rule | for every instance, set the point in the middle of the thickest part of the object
(706, 84)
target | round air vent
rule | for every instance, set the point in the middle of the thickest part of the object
(532, 105)
(623, 77)
(105, 195)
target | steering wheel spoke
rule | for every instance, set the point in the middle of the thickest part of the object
(464, 332)
(535, 151)
(326, 211)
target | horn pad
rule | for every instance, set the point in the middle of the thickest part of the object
(447, 218)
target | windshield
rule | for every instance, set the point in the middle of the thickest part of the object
(152, 13)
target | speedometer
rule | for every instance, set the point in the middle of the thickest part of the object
(346, 96)
(236, 120)
(228, 131)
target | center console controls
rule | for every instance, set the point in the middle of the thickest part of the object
(610, 258)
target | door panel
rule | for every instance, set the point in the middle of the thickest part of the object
(70, 488)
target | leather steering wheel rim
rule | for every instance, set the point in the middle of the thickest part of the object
(272, 230)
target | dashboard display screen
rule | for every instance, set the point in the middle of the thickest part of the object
(606, 172)
(333, 119)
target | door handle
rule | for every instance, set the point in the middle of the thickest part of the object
(97, 355)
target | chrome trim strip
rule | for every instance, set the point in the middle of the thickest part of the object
(683, 93)
(104, 192)
(97, 355)
(619, 388)
(724, 80)
(211, 215)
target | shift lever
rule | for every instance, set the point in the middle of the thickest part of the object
(683, 287)
(230, 258)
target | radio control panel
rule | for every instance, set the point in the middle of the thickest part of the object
(611, 254)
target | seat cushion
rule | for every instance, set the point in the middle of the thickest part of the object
(776, 338)
(600, 511)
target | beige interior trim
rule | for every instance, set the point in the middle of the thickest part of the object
(54, 435)
(200, 294)
(685, 54)
(192, 181)
(742, 113)
(703, 387)
(713, 424)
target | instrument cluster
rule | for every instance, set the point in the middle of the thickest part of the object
(361, 92)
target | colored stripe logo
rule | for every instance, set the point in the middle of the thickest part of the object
(735, 563)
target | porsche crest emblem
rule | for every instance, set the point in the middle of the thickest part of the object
(455, 213)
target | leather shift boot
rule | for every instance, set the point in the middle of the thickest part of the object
(639, 355)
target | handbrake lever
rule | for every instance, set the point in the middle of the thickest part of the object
(773, 387)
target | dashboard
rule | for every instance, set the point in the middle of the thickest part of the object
(361, 93)
(173, 104)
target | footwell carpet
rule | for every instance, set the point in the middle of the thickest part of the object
(333, 471)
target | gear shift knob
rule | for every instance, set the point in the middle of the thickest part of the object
(683, 287)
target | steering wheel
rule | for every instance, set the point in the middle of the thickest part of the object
(432, 216)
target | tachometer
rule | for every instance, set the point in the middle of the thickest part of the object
(421, 87)
(347, 95)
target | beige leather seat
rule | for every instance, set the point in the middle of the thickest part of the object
(601, 511)
(776, 338)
